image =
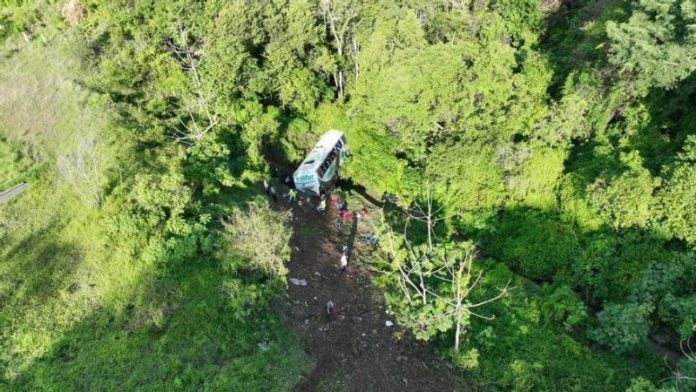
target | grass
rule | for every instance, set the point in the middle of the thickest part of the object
(178, 337)
(80, 311)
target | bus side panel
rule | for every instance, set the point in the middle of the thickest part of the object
(306, 182)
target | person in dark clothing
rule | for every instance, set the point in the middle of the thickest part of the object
(288, 181)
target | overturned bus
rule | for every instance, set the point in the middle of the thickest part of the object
(319, 170)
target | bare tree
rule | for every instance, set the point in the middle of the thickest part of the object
(427, 214)
(201, 120)
(440, 277)
(689, 352)
(339, 17)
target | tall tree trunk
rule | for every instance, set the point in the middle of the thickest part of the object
(340, 84)
(356, 53)
(458, 330)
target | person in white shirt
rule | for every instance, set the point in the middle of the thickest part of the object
(322, 205)
(344, 263)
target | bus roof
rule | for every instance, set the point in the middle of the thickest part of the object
(316, 157)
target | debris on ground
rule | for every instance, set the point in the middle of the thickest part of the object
(350, 339)
(298, 282)
(264, 346)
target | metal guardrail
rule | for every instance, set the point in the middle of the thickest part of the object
(13, 192)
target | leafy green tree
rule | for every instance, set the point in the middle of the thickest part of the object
(626, 200)
(656, 45)
(623, 327)
(640, 384)
(675, 200)
(561, 305)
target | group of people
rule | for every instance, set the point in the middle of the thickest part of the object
(344, 215)
(272, 193)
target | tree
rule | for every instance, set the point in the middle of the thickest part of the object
(435, 281)
(623, 327)
(625, 200)
(676, 198)
(201, 120)
(657, 44)
(261, 237)
(339, 16)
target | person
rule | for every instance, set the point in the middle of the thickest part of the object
(321, 208)
(347, 216)
(272, 192)
(266, 188)
(288, 181)
(363, 214)
(345, 248)
(344, 263)
(329, 308)
(339, 223)
(292, 195)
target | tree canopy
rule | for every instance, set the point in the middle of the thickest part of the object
(552, 142)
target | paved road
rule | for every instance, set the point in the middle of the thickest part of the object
(13, 192)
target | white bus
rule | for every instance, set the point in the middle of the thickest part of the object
(320, 168)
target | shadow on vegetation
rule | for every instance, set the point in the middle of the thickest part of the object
(47, 263)
(193, 327)
(545, 253)
(671, 120)
(600, 264)
(588, 161)
(348, 185)
(573, 37)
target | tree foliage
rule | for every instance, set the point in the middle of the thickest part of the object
(656, 44)
(555, 136)
(261, 236)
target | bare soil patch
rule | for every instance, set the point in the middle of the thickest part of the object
(353, 349)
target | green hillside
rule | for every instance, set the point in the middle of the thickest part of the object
(536, 158)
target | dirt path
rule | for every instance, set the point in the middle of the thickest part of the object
(354, 350)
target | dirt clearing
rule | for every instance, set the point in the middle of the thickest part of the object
(353, 349)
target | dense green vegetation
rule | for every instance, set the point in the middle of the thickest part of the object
(559, 138)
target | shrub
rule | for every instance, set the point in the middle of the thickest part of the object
(561, 306)
(623, 327)
(261, 237)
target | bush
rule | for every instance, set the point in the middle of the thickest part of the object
(561, 306)
(623, 327)
(261, 237)
(535, 244)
